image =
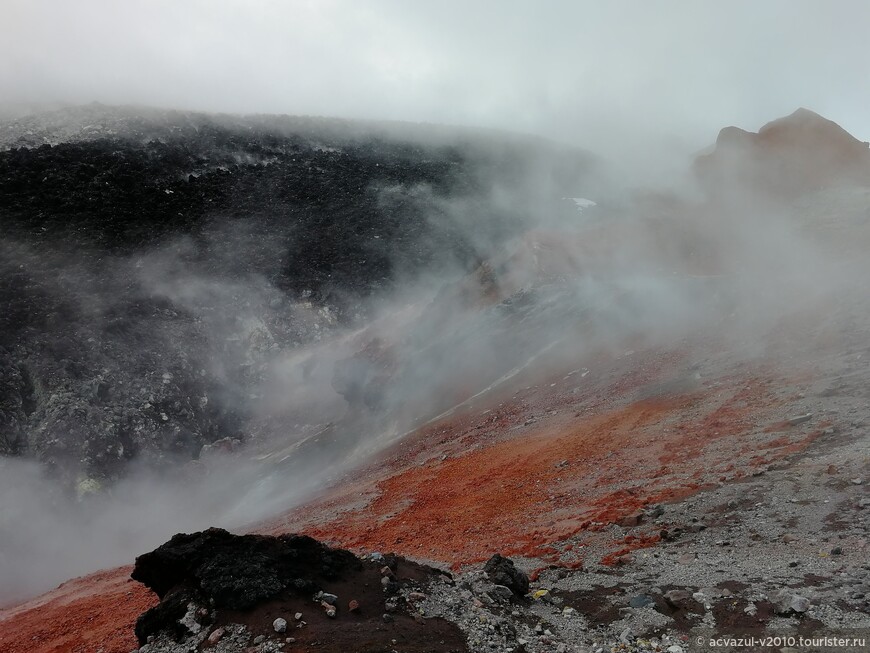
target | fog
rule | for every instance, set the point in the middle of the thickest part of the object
(644, 84)
(613, 277)
(631, 80)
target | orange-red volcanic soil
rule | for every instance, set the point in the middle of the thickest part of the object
(468, 486)
(85, 615)
(556, 461)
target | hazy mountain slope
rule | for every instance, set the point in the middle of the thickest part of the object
(154, 263)
(658, 411)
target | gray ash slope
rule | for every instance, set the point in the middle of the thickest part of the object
(153, 262)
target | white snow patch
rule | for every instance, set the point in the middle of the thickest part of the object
(582, 203)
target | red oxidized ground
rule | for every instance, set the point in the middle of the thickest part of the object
(93, 613)
(556, 461)
(466, 487)
(546, 466)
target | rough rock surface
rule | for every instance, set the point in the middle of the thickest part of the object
(154, 263)
(799, 153)
(502, 571)
(233, 590)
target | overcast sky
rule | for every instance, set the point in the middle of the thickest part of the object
(593, 73)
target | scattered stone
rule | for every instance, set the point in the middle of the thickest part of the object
(799, 419)
(501, 592)
(280, 625)
(677, 598)
(800, 603)
(190, 621)
(259, 639)
(687, 558)
(388, 618)
(502, 571)
(787, 602)
(298, 616)
(641, 601)
(632, 520)
(216, 635)
(353, 606)
(326, 597)
(416, 597)
(328, 608)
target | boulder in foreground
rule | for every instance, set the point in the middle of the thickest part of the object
(231, 590)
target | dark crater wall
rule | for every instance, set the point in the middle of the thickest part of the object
(152, 264)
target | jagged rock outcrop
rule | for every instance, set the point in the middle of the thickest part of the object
(217, 584)
(218, 569)
(799, 153)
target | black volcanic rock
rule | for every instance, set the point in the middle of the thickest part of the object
(239, 571)
(236, 572)
(155, 262)
(502, 571)
(215, 578)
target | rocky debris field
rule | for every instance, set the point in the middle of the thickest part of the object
(778, 548)
(781, 553)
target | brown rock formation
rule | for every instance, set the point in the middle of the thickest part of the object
(789, 156)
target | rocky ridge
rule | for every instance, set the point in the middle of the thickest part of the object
(795, 154)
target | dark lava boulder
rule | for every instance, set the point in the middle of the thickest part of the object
(236, 572)
(502, 571)
(239, 571)
(216, 581)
